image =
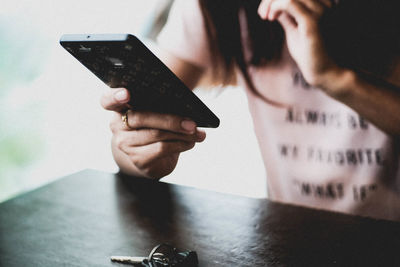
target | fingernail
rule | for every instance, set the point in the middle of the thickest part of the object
(188, 125)
(121, 95)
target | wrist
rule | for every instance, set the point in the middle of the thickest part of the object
(338, 82)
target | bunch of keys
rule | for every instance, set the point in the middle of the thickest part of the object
(162, 255)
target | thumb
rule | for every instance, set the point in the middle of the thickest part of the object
(115, 99)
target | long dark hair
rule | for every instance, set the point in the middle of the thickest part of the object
(223, 27)
(358, 34)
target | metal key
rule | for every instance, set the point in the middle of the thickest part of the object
(154, 256)
(160, 256)
(130, 260)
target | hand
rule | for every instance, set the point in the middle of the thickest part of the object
(151, 142)
(300, 20)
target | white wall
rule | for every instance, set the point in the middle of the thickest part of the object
(61, 104)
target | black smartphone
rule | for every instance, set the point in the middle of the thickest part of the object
(122, 60)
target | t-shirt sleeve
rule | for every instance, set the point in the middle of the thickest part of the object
(184, 34)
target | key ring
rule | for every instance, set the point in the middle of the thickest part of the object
(161, 255)
(124, 119)
(165, 255)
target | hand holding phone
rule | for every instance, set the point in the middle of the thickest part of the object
(122, 60)
(159, 125)
(151, 145)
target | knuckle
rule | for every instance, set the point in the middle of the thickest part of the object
(135, 120)
(120, 142)
(137, 161)
(155, 134)
(114, 126)
(161, 148)
(115, 123)
(172, 122)
(169, 124)
(147, 168)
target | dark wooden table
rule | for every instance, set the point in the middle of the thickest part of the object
(84, 218)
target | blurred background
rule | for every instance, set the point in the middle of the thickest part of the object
(51, 122)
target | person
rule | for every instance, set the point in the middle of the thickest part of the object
(326, 111)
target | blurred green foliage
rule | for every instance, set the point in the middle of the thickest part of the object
(23, 54)
(19, 149)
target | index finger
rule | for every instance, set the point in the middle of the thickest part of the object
(153, 120)
(263, 8)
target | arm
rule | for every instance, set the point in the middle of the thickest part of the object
(187, 72)
(375, 102)
(300, 19)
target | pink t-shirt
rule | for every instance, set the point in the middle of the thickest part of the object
(317, 151)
